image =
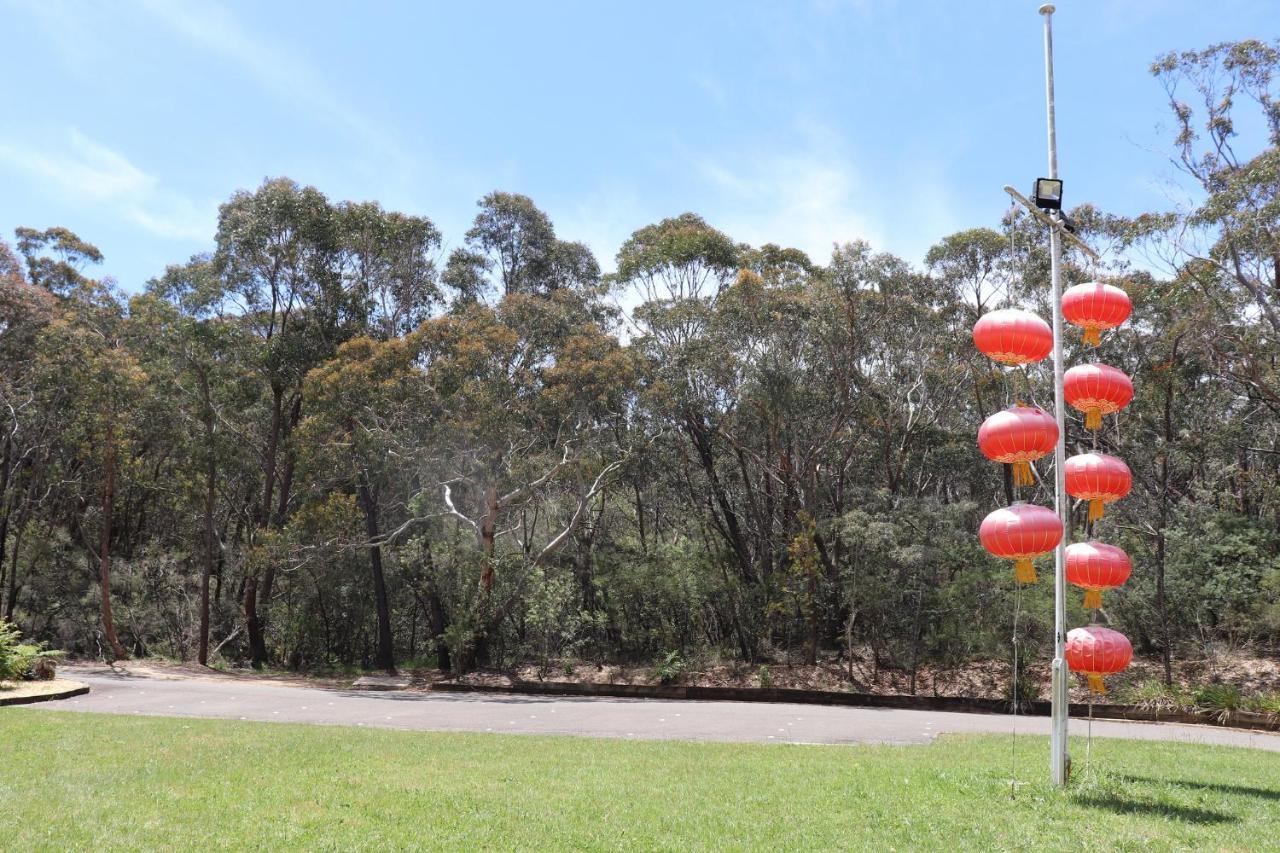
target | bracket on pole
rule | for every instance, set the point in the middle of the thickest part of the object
(1052, 223)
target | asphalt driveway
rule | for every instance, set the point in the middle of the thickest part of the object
(123, 692)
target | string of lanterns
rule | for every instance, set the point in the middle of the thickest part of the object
(1022, 434)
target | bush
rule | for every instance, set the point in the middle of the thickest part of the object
(670, 668)
(1221, 700)
(1156, 696)
(1263, 703)
(19, 660)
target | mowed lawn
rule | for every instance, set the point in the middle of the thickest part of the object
(73, 780)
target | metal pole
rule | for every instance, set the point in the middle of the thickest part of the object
(1059, 762)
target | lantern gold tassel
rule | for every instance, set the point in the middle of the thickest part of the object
(1092, 336)
(1022, 475)
(1093, 419)
(1024, 571)
(1092, 599)
(1096, 684)
(1096, 509)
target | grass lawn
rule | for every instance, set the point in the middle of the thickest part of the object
(73, 780)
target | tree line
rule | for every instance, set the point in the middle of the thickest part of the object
(328, 443)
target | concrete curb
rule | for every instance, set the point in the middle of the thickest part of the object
(52, 696)
(956, 704)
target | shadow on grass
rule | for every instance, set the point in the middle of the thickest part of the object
(1127, 806)
(1220, 787)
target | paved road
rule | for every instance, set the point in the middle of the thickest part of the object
(617, 718)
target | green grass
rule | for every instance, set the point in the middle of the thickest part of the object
(70, 780)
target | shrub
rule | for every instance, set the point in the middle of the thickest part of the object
(670, 668)
(19, 660)
(1263, 703)
(1157, 697)
(1221, 700)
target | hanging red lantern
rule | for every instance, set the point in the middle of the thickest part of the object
(1013, 336)
(1095, 566)
(1096, 651)
(1020, 533)
(1096, 390)
(1098, 478)
(1095, 307)
(1018, 436)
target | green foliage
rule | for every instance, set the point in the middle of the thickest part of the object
(670, 669)
(1154, 695)
(17, 659)
(1221, 700)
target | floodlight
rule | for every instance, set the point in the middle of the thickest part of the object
(1047, 194)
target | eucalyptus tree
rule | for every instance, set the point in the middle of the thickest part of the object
(56, 258)
(88, 381)
(387, 263)
(200, 360)
(24, 312)
(369, 410)
(277, 253)
(1233, 234)
(512, 248)
(527, 395)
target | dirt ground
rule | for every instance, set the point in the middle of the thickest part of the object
(984, 678)
(29, 689)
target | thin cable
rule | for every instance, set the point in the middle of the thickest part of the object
(1088, 742)
(1016, 682)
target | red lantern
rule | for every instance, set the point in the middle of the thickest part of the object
(1096, 651)
(1099, 479)
(1095, 566)
(1018, 436)
(1013, 336)
(1096, 390)
(1020, 533)
(1095, 306)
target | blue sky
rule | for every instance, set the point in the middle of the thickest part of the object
(800, 123)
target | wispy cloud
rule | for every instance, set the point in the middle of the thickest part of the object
(809, 197)
(83, 170)
(276, 67)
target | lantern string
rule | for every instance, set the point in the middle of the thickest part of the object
(1016, 690)
(1088, 742)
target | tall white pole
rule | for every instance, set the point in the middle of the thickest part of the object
(1058, 760)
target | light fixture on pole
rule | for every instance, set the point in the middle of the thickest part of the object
(1047, 194)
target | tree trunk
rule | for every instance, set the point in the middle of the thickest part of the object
(435, 611)
(252, 624)
(1166, 655)
(104, 556)
(6, 465)
(488, 530)
(210, 543)
(253, 621)
(386, 652)
(11, 600)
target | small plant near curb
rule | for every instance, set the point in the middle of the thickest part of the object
(1156, 697)
(21, 661)
(1220, 700)
(670, 669)
(763, 677)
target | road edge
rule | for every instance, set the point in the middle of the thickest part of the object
(1238, 720)
(79, 689)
